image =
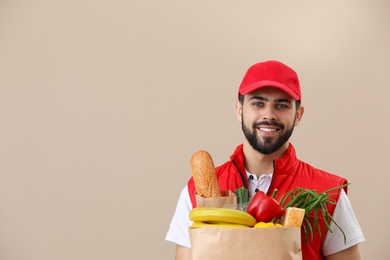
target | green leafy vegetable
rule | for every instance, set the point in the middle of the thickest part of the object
(310, 200)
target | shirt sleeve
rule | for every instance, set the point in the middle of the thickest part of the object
(345, 217)
(180, 223)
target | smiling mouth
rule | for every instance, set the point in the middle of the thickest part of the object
(268, 130)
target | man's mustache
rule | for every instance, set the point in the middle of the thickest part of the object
(268, 123)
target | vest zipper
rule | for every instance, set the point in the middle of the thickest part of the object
(272, 180)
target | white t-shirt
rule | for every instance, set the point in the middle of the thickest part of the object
(333, 243)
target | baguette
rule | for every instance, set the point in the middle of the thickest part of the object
(204, 175)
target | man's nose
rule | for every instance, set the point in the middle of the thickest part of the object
(269, 114)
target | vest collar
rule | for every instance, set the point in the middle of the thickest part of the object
(286, 162)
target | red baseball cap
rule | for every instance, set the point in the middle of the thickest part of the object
(271, 73)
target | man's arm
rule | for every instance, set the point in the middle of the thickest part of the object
(351, 253)
(183, 253)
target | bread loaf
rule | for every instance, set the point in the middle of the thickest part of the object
(204, 175)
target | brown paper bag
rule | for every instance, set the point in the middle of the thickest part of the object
(227, 198)
(211, 243)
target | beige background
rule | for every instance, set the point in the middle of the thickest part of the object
(102, 104)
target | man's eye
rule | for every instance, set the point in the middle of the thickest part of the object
(281, 106)
(258, 104)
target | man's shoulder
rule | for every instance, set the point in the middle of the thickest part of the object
(317, 178)
(306, 168)
(225, 168)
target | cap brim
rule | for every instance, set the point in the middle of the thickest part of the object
(267, 83)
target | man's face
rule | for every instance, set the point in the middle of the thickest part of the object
(268, 116)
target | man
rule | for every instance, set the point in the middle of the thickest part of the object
(269, 107)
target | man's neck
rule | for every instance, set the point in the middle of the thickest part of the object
(258, 163)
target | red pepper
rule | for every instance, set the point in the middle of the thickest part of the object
(264, 208)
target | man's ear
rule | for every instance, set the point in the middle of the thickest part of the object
(298, 115)
(238, 110)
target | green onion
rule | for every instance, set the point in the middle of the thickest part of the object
(310, 200)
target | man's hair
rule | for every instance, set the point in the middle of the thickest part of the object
(241, 99)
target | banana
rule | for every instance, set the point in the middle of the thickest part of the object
(224, 215)
(198, 224)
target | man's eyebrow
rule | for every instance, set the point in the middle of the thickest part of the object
(282, 100)
(278, 100)
(259, 98)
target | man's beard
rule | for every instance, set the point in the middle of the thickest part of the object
(267, 146)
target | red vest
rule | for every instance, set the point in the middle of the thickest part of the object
(289, 172)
